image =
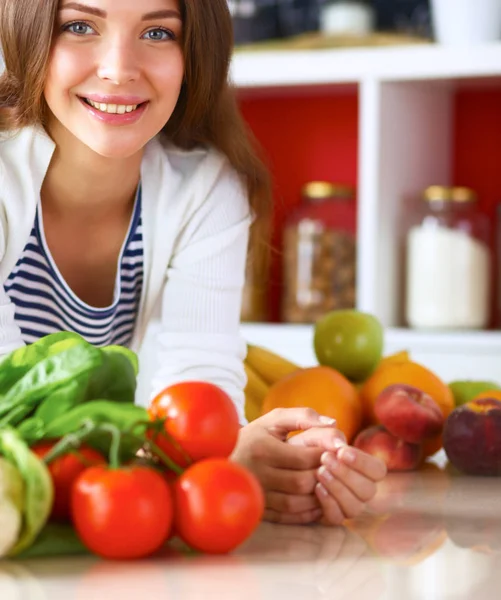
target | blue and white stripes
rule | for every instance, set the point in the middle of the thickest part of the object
(44, 303)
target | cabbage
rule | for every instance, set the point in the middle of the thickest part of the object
(11, 484)
(11, 506)
(10, 525)
(34, 502)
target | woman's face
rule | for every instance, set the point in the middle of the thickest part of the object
(115, 72)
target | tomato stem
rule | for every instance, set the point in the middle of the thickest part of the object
(116, 439)
(70, 442)
(157, 427)
(164, 458)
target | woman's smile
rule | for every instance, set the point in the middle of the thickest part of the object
(115, 111)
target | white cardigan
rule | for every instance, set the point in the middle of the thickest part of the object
(196, 220)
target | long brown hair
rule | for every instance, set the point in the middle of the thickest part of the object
(207, 112)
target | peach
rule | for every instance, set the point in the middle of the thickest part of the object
(472, 437)
(409, 413)
(396, 453)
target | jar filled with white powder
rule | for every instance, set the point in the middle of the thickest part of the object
(449, 262)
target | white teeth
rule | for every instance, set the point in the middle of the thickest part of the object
(113, 109)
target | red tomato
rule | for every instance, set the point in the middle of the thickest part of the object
(202, 419)
(122, 513)
(64, 471)
(169, 476)
(218, 504)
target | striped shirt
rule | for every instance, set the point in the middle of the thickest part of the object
(44, 303)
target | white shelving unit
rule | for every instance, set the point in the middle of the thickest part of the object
(406, 116)
(278, 68)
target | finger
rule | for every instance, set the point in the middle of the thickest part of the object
(328, 438)
(281, 421)
(364, 488)
(372, 467)
(349, 504)
(304, 518)
(289, 503)
(278, 454)
(331, 511)
(299, 483)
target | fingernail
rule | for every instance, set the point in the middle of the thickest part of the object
(325, 474)
(321, 490)
(324, 459)
(337, 444)
(347, 455)
(327, 420)
(332, 463)
(327, 458)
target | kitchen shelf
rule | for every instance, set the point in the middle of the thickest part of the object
(427, 115)
(452, 355)
(357, 65)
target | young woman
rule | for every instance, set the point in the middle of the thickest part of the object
(127, 185)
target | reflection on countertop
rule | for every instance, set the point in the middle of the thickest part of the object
(428, 535)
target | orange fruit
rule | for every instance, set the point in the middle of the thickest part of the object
(492, 394)
(398, 357)
(409, 373)
(323, 389)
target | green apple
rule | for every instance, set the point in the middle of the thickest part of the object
(465, 391)
(349, 341)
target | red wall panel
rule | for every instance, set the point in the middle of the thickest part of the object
(308, 135)
(304, 137)
(477, 159)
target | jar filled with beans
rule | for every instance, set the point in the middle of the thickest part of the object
(319, 253)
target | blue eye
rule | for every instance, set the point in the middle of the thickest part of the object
(78, 28)
(159, 35)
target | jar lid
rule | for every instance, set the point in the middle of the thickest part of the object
(321, 190)
(439, 193)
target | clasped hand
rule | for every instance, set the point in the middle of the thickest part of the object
(313, 476)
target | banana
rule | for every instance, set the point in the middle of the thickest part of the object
(252, 407)
(269, 366)
(255, 383)
(255, 392)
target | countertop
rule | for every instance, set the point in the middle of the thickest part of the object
(427, 535)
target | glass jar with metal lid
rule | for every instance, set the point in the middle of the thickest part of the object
(449, 262)
(319, 253)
